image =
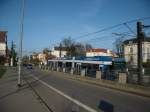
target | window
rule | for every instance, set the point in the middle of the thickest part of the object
(131, 50)
(131, 59)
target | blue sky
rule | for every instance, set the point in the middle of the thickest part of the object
(46, 22)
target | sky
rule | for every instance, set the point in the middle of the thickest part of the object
(47, 22)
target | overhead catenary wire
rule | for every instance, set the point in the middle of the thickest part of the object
(103, 38)
(129, 28)
(111, 27)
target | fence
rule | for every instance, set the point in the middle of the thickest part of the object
(132, 76)
(113, 75)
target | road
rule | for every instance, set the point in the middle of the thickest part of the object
(65, 95)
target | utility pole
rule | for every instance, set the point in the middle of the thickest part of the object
(20, 44)
(140, 38)
(60, 49)
(139, 50)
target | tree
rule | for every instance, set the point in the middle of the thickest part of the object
(69, 45)
(67, 42)
(88, 46)
(80, 49)
(13, 54)
(74, 48)
(34, 61)
(46, 52)
(119, 46)
(25, 59)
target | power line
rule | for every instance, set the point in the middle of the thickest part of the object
(129, 28)
(105, 29)
(111, 27)
(109, 37)
(97, 38)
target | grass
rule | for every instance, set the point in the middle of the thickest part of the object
(2, 70)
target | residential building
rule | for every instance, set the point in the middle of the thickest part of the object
(34, 55)
(42, 58)
(3, 43)
(56, 52)
(99, 52)
(130, 50)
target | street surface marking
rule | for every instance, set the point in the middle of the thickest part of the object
(66, 96)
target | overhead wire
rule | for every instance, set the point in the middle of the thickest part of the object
(111, 27)
(126, 24)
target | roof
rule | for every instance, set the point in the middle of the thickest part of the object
(3, 36)
(83, 61)
(96, 50)
(134, 40)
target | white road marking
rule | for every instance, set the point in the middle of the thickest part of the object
(66, 96)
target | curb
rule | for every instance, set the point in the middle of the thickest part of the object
(123, 88)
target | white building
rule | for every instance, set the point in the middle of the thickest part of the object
(56, 52)
(98, 52)
(3, 43)
(42, 58)
(130, 50)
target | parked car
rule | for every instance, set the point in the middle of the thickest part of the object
(29, 66)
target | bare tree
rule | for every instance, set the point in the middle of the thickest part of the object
(88, 46)
(118, 46)
(74, 48)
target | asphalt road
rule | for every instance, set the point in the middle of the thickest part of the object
(65, 95)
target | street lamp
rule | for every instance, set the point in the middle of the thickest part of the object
(20, 45)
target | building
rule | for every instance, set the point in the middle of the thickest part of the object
(130, 50)
(35, 56)
(42, 58)
(3, 43)
(56, 52)
(98, 52)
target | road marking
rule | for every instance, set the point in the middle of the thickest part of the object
(66, 96)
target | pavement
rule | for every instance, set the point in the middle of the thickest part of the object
(63, 95)
(14, 99)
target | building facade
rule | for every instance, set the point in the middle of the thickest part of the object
(42, 58)
(3, 43)
(130, 51)
(56, 52)
(35, 56)
(98, 52)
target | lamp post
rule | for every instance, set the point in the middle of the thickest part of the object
(20, 44)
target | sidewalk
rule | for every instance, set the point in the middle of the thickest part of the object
(13, 99)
